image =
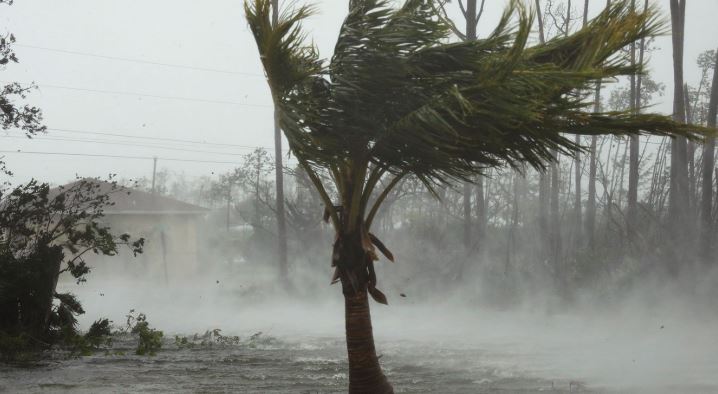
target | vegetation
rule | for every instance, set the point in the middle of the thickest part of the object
(468, 154)
(46, 233)
(396, 100)
(149, 339)
(209, 339)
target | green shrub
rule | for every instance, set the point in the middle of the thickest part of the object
(150, 340)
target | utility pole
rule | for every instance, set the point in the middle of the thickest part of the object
(229, 199)
(154, 173)
(279, 179)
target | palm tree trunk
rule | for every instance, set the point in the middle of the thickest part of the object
(355, 268)
(365, 374)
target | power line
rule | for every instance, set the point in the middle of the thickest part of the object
(115, 134)
(116, 156)
(140, 61)
(156, 146)
(123, 93)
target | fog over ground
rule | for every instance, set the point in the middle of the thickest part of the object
(121, 83)
(656, 339)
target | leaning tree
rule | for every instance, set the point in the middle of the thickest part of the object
(398, 98)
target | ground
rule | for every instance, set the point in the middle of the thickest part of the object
(425, 346)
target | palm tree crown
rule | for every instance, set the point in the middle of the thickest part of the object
(399, 97)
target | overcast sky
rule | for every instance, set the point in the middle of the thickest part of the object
(220, 98)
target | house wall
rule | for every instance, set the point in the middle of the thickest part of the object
(170, 252)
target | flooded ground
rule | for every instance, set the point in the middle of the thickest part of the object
(270, 365)
(425, 348)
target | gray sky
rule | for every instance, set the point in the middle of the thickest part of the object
(232, 108)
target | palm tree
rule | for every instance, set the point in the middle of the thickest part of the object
(398, 99)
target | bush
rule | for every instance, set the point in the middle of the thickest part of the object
(33, 254)
(150, 340)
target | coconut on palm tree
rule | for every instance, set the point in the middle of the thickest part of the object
(398, 98)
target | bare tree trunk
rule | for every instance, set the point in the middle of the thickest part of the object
(691, 153)
(539, 17)
(555, 219)
(544, 179)
(578, 214)
(544, 191)
(708, 168)
(592, 167)
(472, 19)
(678, 199)
(591, 202)
(555, 222)
(467, 216)
(632, 206)
(481, 216)
(279, 181)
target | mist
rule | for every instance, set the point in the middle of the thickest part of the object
(161, 230)
(629, 327)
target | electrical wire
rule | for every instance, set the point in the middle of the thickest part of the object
(117, 134)
(140, 61)
(116, 156)
(156, 146)
(156, 96)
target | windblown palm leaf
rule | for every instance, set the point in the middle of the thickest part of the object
(396, 93)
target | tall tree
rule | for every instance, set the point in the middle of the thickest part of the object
(678, 199)
(471, 11)
(481, 216)
(544, 179)
(578, 214)
(472, 14)
(632, 195)
(397, 99)
(279, 182)
(708, 169)
(592, 173)
(555, 214)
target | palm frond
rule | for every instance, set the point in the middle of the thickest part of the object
(398, 94)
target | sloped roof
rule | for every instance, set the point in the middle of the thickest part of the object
(128, 201)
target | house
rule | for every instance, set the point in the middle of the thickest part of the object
(170, 228)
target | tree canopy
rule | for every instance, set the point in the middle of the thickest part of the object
(400, 95)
